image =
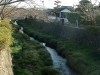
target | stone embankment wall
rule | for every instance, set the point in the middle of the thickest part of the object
(5, 62)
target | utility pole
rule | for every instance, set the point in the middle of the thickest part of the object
(43, 3)
(77, 24)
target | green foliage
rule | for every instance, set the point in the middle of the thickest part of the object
(96, 72)
(19, 71)
(49, 71)
(82, 58)
(29, 57)
(98, 19)
(91, 34)
(72, 17)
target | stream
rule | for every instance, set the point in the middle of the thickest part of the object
(58, 62)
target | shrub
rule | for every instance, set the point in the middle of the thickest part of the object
(80, 54)
(49, 71)
(98, 19)
(20, 71)
(5, 33)
(72, 17)
(29, 57)
(6, 23)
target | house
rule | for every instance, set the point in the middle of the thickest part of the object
(61, 13)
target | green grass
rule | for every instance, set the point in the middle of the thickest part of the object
(29, 57)
(80, 57)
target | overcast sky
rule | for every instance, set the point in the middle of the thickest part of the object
(50, 3)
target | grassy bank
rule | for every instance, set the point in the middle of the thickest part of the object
(29, 57)
(81, 58)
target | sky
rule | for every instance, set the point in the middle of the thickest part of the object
(50, 3)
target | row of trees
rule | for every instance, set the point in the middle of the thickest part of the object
(87, 11)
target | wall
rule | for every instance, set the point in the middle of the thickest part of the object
(5, 62)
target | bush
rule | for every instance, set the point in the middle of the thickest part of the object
(29, 57)
(49, 71)
(6, 23)
(98, 19)
(20, 71)
(72, 17)
(5, 33)
(91, 37)
(80, 54)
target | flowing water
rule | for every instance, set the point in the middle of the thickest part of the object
(58, 62)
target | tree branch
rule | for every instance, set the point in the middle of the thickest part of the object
(10, 2)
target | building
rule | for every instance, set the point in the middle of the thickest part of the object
(61, 13)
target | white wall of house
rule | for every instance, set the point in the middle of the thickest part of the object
(64, 11)
(53, 18)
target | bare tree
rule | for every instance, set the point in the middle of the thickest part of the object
(13, 11)
(3, 5)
